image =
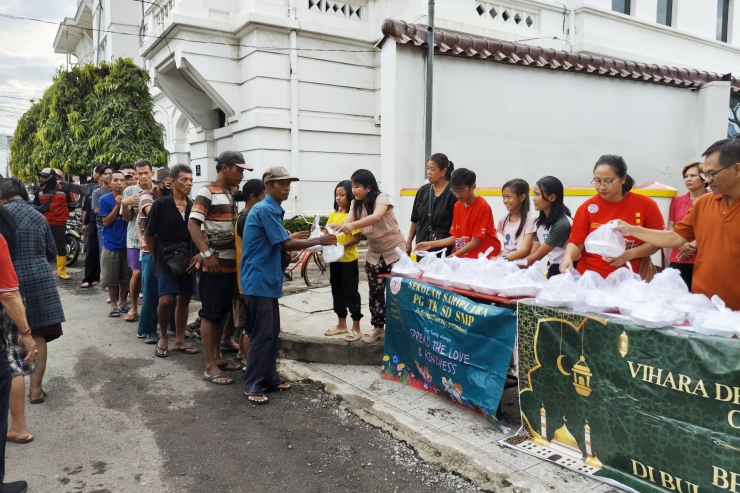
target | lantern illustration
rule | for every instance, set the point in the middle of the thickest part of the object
(582, 377)
(623, 344)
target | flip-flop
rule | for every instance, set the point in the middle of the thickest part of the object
(161, 352)
(85, 285)
(354, 336)
(372, 337)
(335, 331)
(277, 388)
(186, 350)
(213, 378)
(132, 317)
(257, 403)
(114, 313)
(228, 348)
(41, 399)
(226, 366)
(16, 440)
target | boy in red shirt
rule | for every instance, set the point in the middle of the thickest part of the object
(472, 229)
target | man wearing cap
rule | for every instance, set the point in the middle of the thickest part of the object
(52, 201)
(211, 226)
(262, 282)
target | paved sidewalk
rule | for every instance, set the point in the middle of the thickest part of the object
(443, 433)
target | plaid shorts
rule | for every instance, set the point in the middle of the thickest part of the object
(14, 355)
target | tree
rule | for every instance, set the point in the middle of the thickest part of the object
(89, 115)
(735, 110)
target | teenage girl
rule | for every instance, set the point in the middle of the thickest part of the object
(252, 192)
(518, 227)
(345, 275)
(372, 211)
(553, 224)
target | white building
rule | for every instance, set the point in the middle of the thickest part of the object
(308, 84)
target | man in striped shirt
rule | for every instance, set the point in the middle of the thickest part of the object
(211, 226)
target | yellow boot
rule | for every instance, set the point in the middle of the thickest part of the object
(62, 268)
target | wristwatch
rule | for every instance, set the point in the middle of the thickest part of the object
(206, 254)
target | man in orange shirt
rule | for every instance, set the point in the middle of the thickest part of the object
(714, 222)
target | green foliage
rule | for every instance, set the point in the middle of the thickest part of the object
(297, 223)
(88, 116)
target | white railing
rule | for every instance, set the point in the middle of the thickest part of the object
(163, 13)
(339, 9)
(507, 14)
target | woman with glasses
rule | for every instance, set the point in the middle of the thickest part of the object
(613, 200)
(682, 259)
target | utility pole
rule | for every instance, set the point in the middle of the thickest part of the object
(430, 85)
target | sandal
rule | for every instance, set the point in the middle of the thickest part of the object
(186, 349)
(373, 336)
(132, 316)
(335, 331)
(260, 402)
(354, 336)
(20, 440)
(162, 352)
(41, 399)
(278, 388)
(213, 378)
(85, 285)
(226, 366)
(230, 348)
(114, 313)
(125, 308)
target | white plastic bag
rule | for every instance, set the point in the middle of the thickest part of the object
(316, 233)
(438, 273)
(594, 295)
(606, 241)
(427, 258)
(405, 266)
(656, 314)
(332, 253)
(669, 285)
(632, 294)
(559, 291)
(489, 278)
(723, 322)
(523, 283)
(623, 274)
(468, 271)
(692, 303)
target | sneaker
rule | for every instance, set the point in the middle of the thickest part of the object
(141, 336)
(152, 338)
(15, 487)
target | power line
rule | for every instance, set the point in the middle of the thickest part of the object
(22, 99)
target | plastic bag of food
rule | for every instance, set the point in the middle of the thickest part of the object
(692, 303)
(523, 283)
(332, 253)
(594, 295)
(656, 314)
(405, 266)
(559, 292)
(489, 278)
(438, 273)
(316, 233)
(606, 241)
(428, 258)
(464, 276)
(631, 295)
(623, 274)
(721, 322)
(456, 262)
(669, 285)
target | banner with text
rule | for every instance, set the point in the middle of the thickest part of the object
(446, 344)
(654, 410)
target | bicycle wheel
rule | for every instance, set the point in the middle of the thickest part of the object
(315, 271)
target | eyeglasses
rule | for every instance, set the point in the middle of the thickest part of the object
(459, 192)
(709, 175)
(605, 184)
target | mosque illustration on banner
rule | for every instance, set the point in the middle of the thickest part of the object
(563, 449)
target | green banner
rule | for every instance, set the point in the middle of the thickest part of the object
(655, 410)
(444, 343)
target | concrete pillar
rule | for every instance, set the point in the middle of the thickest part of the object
(203, 154)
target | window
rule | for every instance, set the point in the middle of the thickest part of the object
(621, 6)
(723, 17)
(665, 12)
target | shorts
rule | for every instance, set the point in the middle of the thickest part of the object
(114, 269)
(216, 292)
(184, 286)
(134, 260)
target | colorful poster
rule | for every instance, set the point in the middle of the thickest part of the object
(446, 344)
(654, 410)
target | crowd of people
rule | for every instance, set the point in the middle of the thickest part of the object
(144, 234)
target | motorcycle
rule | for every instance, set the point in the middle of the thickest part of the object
(73, 237)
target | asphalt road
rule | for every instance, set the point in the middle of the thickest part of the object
(117, 419)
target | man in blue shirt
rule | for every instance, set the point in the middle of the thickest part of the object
(114, 271)
(262, 282)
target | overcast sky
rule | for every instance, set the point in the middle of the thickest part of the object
(27, 58)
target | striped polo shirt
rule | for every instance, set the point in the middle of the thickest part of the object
(214, 208)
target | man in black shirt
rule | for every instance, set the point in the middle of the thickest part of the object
(167, 236)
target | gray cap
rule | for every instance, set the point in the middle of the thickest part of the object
(277, 173)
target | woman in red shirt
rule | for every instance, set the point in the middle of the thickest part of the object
(612, 201)
(683, 258)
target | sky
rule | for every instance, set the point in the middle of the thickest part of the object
(27, 58)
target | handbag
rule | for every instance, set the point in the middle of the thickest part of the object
(647, 269)
(177, 259)
(221, 239)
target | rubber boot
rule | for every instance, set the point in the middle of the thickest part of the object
(62, 268)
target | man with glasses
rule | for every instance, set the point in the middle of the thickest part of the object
(714, 223)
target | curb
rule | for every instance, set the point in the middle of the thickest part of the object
(332, 351)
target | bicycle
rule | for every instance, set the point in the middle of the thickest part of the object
(314, 270)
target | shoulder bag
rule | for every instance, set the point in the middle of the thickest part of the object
(177, 259)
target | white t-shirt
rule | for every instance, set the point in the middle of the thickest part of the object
(507, 230)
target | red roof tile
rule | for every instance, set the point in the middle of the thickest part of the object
(536, 56)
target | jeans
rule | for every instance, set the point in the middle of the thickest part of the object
(150, 291)
(263, 327)
(6, 376)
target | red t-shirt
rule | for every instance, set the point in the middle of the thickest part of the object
(475, 221)
(8, 279)
(634, 209)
